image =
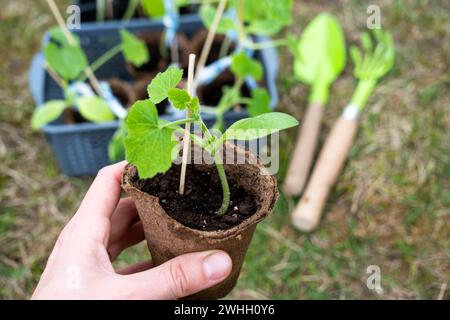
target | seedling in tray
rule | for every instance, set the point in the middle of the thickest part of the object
(242, 21)
(66, 63)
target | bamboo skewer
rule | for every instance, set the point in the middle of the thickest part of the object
(209, 40)
(187, 126)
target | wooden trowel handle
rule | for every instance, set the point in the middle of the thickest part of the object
(307, 213)
(304, 150)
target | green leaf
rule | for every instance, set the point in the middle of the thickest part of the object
(260, 12)
(321, 55)
(47, 113)
(243, 66)
(94, 109)
(134, 49)
(58, 35)
(264, 27)
(143, 114)
(260, 126)
(148, 146)
(68, 61)
(153, 8)
(194, 104)
(179, 98)
(158, 90)
(207, 13)
(116, 147)
(260, 102)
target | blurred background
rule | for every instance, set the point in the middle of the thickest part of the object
(390, 207)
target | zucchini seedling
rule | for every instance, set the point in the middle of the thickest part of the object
(152, 144)
(242, 67)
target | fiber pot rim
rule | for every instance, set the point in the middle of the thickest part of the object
(263, 211)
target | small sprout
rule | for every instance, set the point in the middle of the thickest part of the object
(242, 67)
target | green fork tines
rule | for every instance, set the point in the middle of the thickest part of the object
(377, 61)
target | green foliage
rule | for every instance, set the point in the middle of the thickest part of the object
(243, 66)
(58, 35)
(149, 145)
(260, 126)
(259, 17)
(260, 102)
(179, 98)
(207, 13)
(158, 90)
(320, 54)
(67, 60)
(153, 8)
(94, 109)
(47, 113)
(182, 100)
(266, 17)
(134, 49)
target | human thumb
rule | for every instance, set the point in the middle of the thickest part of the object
(181, 276)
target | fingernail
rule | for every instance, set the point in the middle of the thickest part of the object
(216, 265)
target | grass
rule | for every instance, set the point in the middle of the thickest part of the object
(390, 207)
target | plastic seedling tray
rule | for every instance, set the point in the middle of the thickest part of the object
(81, 148)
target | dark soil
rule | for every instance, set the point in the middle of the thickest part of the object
(160, 55)
(198, 40)
(71, 116)
(211, 94)
(203, 197)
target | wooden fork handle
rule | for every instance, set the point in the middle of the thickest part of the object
(307, 213)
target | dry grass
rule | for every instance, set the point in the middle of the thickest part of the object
(389, 208)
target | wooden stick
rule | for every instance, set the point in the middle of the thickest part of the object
(304, 150)
(209, 40)
(54, 75)
(187, 126)
(60, 20)
(70, 38)
(306, 215)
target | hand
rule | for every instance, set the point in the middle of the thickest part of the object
(79, 266)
